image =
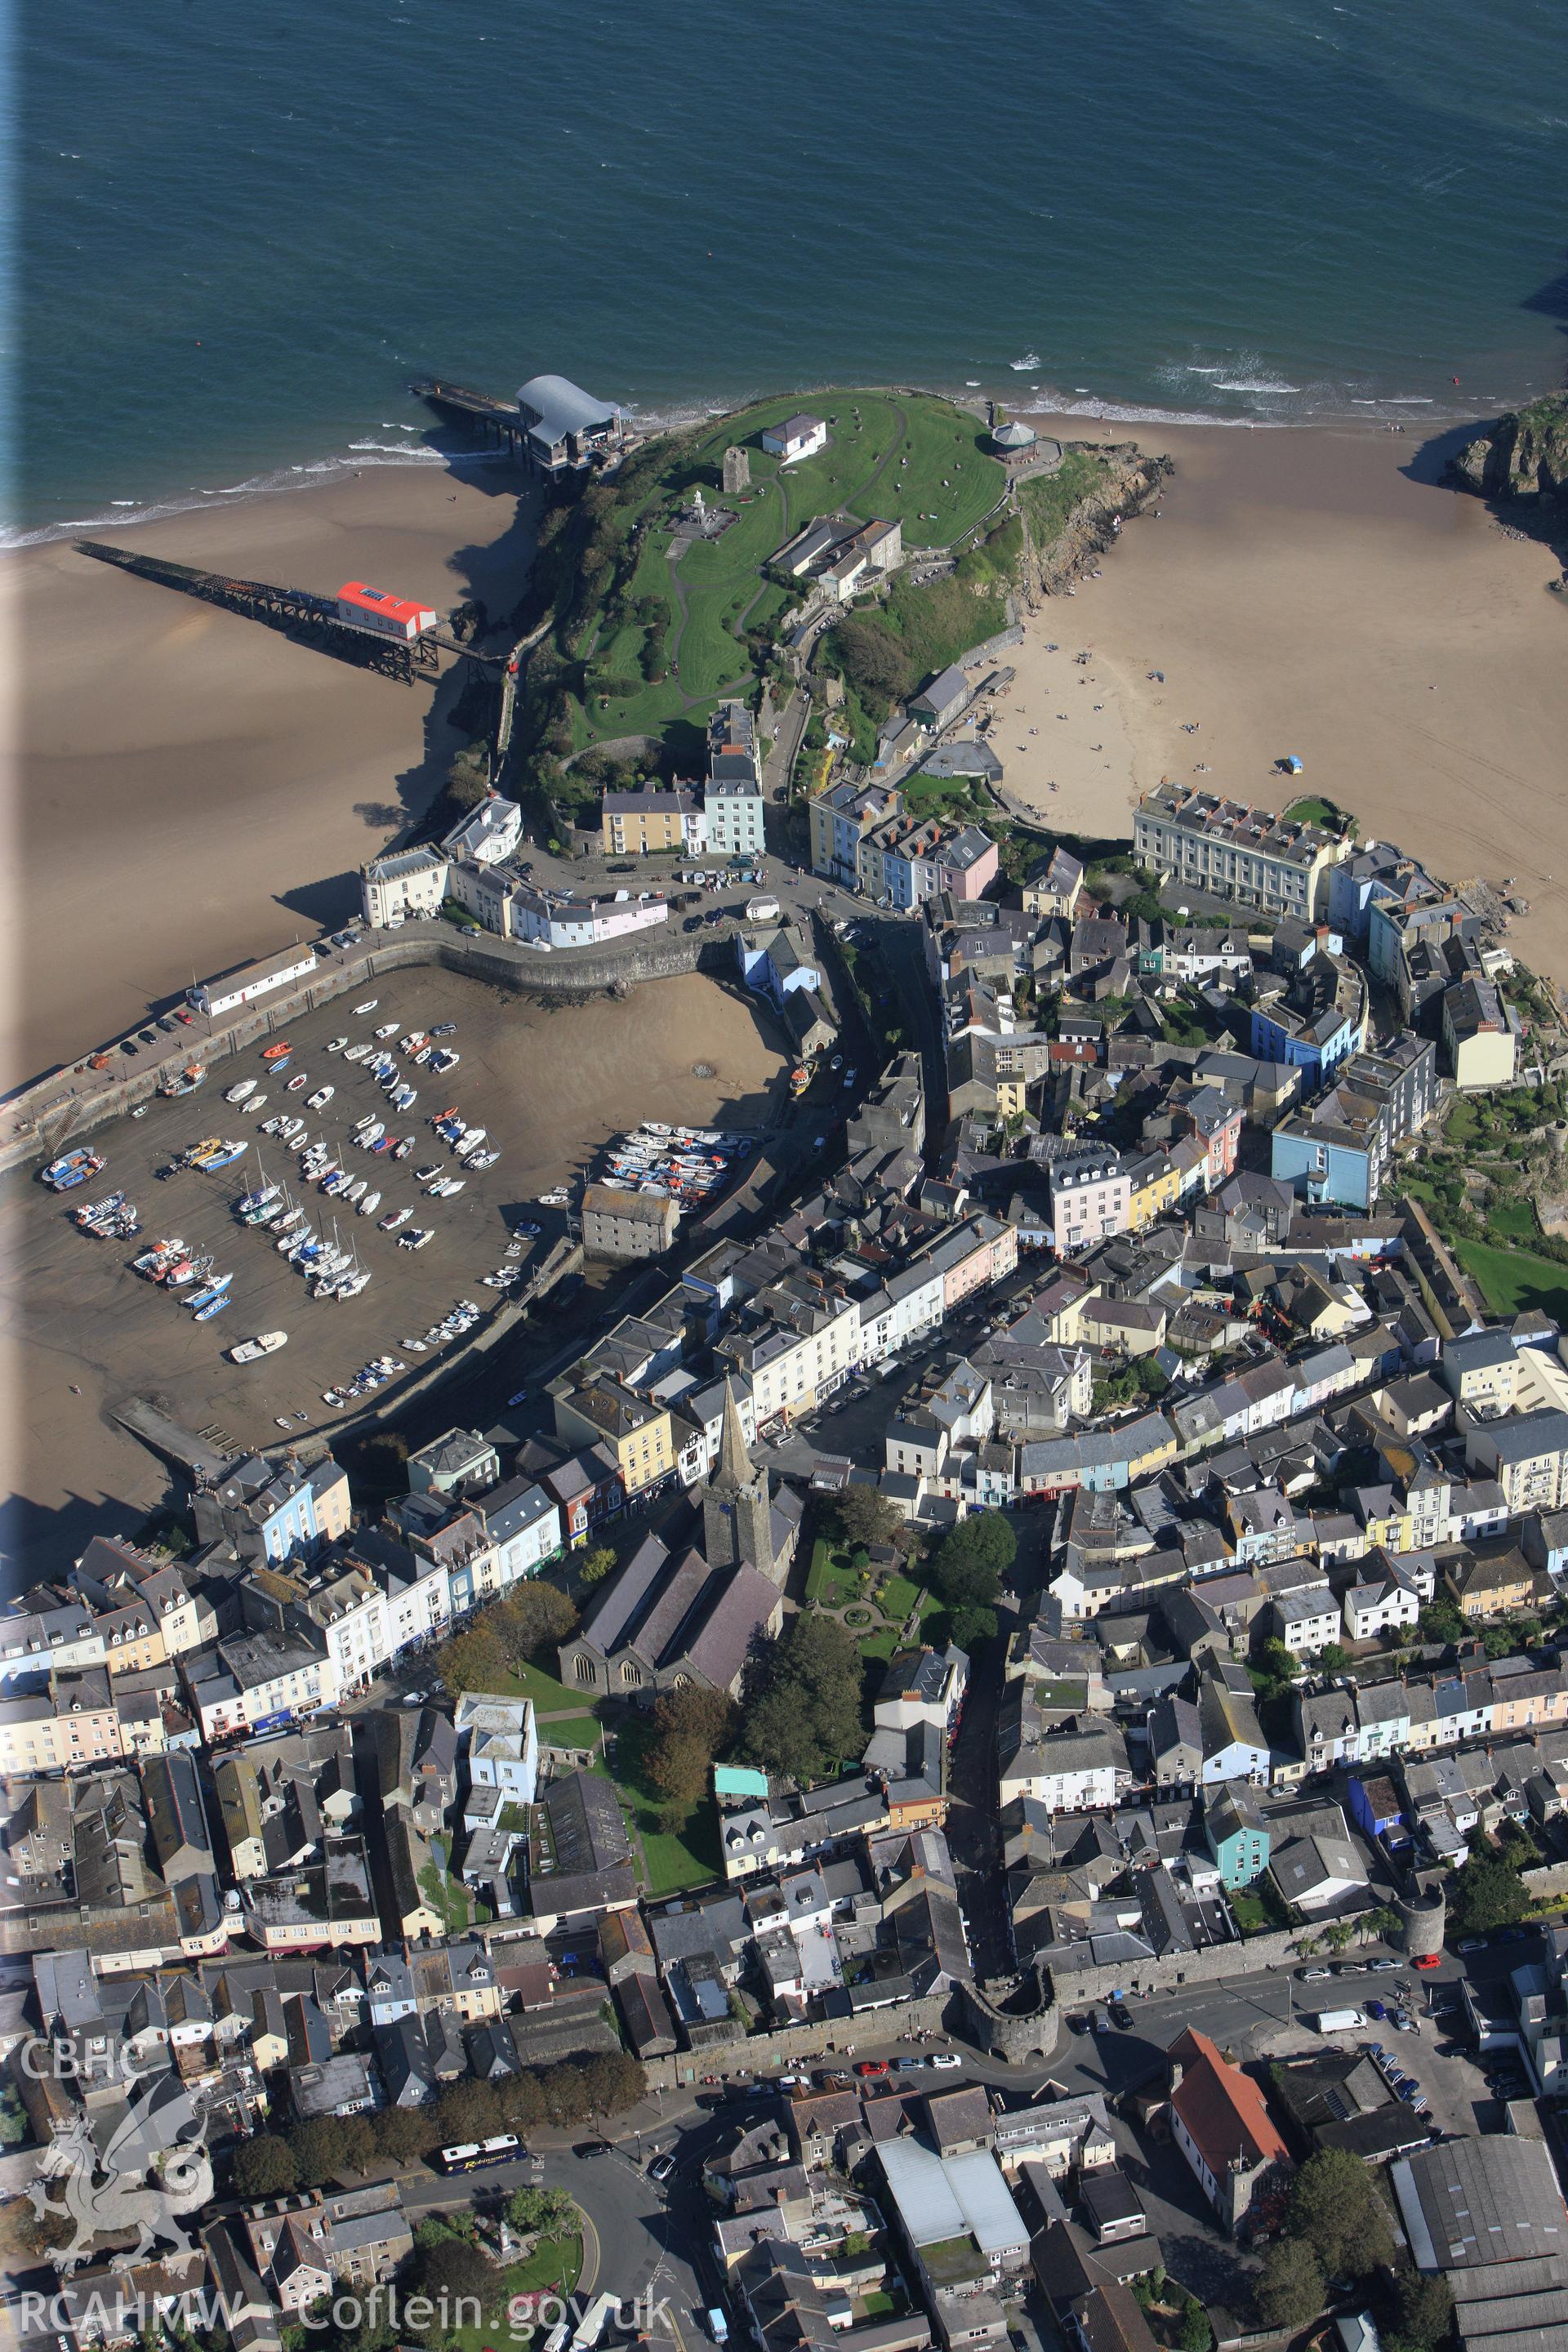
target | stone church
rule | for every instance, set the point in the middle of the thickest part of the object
(691, 1613)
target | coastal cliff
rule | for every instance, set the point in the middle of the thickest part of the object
(1070, 516)
(1523, 456)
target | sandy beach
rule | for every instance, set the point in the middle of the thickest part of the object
(1302, 593)
(193, 789)
(190, 788)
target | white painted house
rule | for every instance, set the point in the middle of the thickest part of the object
(796, 438)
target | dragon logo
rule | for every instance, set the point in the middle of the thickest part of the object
(153, 2169)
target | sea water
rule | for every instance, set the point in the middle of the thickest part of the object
(241, 230)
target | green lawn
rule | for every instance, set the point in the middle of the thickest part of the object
(1511, 1280)
(947, 795)
(1310, 810)
(444, 1893)
(898, 1596)
(830, 1581)
(673, 1861)
(1513, 1219)
(552, 2269)
(570, 1731)
(948, 484)
(549, 1696)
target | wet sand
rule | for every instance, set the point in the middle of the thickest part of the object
(191, 788)
(1303, 593)
(548, 1084)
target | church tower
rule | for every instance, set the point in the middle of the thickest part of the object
(737, 1518)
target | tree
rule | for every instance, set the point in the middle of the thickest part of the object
(1440, 1621)
(12, 2117)
(1339, 1933)
(321, 2148)
(404, 2132)
(971, 1625)
(1424, 2314)
(612, 2082)
(472, 1660)
(451, 2268)
(466, 2110)
(1335, 2208)
(361, 2147)
(596, 1564)
(978, 1544)
(1334, 1658)
(1289, 2289)
(691, 1726)
(1196, 2335)
(534, 1616)
(541, 2212)
(521, 2100)
(1381, 1922)
(265, 2166)
(860, 1516)
(1488, 1894)
(802, 1709)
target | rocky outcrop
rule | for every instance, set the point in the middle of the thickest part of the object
(1118, 479)
(1523, 456)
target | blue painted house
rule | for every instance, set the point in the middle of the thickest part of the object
(1374, 1808)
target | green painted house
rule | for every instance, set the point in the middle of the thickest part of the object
(1237, 1833)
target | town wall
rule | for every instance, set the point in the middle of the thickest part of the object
(1277, 1949)
(798, 2044)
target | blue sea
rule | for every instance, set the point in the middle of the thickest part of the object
(241, 230)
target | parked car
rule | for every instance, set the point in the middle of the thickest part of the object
(661, 2167)
(1312, 1976)
(946, 2058)
(1119, 2015)
(1474, 1944)
(909, 2065)
(871, 2067)
(586, 2148)
(1381, 1967)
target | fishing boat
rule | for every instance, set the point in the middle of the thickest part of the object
(209, 1291)
(184, 1082)
(266, 1343)
(223, 1156)
(88, 1215)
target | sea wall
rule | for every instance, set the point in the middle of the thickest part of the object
(68, 1103)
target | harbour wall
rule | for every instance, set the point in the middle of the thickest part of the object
(67, 1104)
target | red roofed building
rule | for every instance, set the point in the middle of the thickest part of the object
(1221, 2125)
(389, 617)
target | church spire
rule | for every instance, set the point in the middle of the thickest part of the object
(735, 1468)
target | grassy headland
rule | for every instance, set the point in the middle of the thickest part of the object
(649, 632)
